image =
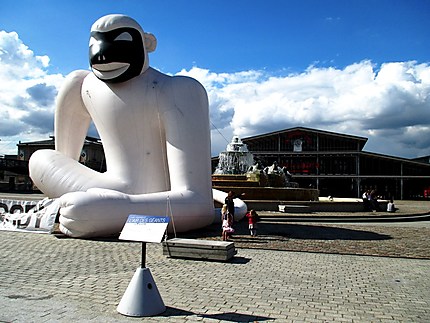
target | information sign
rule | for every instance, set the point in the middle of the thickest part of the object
(144, 228)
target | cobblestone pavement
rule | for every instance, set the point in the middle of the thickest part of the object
(349, 239)
(392, 239)
(50, 278)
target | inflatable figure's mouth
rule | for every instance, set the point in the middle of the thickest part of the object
(109, 70)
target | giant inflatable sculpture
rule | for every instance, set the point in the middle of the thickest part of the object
(155, 133)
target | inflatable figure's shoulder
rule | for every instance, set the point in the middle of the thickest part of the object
(186, 83)
(76, 77)
(183, 90)
(74, 80)
(176, 82)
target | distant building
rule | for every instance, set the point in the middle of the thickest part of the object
(14, 171)
(92, 153)
(11, 171)
(334, 163)
(337, 165)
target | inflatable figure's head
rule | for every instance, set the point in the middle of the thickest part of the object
(119, 48)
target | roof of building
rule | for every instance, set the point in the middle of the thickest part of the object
(51, 141)
(304, 129)
(300, 130)
(422, 159)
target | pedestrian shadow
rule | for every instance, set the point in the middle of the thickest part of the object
(225, 317)
(235, 317)
(239, 260)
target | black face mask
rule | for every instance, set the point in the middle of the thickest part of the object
(113, 50)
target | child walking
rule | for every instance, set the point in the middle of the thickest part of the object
(252, 222)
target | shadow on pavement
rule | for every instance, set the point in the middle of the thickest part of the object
(315, 232)
(227, 317)
(236, 317)
(273, 231)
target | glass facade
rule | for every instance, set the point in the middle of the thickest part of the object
(337, 165)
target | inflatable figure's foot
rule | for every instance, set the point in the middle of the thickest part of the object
(84, 214)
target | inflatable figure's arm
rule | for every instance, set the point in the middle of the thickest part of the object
(72, 119)
(187, 129)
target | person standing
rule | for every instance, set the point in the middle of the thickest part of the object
(366, 201)
(230, 203)
(227, 227)
(252, 222)
(224, 212)
(374, 201)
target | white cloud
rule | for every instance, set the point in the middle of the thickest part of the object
(389, 105)
(27, 94)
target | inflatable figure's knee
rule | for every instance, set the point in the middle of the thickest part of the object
(37, 164)
(55, 174)
(40, 169)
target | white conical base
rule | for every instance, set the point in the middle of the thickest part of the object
(141, 297)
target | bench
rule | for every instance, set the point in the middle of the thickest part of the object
(294, 208)
(199, 249)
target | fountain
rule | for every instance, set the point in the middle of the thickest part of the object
(235, 160)
(264, 188)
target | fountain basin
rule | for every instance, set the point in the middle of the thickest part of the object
(272, 193)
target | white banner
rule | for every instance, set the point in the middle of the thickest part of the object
(28, 216)
(16, 206)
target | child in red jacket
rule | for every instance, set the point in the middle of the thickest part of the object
(252, 221)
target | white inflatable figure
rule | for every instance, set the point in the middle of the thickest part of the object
(155, 133)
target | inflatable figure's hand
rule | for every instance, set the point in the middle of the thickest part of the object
(93, 213)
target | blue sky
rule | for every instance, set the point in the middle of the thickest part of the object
(357, 67)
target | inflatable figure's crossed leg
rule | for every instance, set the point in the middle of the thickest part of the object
(85, 194)
(56, 174)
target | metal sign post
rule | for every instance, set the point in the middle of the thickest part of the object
(142, 262)
(141, 297)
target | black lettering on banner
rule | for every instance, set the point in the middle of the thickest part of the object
(25, 224)
(3, 208)
(28, 207)
(38, 220)
(16, 209)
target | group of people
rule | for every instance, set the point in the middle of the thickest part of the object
(370, 202)
(227, 214)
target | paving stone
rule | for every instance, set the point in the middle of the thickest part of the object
(45, 278)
